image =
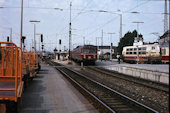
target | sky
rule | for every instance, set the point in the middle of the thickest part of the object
(88, 21)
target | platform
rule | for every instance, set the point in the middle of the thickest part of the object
(154, 72)
(50, 92)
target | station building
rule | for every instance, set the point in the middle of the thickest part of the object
(105, 51)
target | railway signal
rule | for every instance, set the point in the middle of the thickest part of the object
(23, 39)
(41, 37)
(7, 38)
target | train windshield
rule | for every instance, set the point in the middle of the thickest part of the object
(89, 51)
(92, 51)
(86, 50)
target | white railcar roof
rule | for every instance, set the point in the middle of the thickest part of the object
(148, 45)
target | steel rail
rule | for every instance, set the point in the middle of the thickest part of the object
(106, 106)
(147, 83)
(115, 92)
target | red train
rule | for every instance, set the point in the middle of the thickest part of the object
(86, 54)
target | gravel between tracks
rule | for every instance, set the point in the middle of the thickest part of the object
(157, 99)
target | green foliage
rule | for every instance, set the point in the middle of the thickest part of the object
(114, 56)
(127, 40)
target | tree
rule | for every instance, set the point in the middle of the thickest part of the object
(127, 40)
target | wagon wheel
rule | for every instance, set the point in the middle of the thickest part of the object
(18, 105)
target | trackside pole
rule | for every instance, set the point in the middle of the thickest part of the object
(81, 65)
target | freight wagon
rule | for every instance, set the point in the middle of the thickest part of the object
(11, 84)
(17, 67)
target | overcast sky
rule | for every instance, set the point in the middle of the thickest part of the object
(87, 21)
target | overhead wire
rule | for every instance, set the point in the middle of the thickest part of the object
(77, 14)
(82, 10)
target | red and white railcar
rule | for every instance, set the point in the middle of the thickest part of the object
(165, 54)
(142, 53)
(164, 45)
(86, 54)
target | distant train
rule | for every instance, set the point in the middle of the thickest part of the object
(142, 53)
(85, 54)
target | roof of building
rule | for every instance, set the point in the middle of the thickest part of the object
(166, 44)
(166, 34)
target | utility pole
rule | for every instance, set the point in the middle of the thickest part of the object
(56, 39)
(111, 44)
(84, 40)
(120, 26)
(102, 44)
(96, 41)
(165, 17)
(137, 38)
(21, 24)
(169, 16)
(97, 44)
(34, 40)
(70, 33)
(34, 22)
(32, 45)
(102, 38)
(11, 35)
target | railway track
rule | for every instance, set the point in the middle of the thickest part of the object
(110, 100)
(147, 83)
(150, 96)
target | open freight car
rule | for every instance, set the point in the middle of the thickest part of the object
(11, 84)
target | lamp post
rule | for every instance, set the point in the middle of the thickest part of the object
(97, 44)
(70, 33)
(40, 40)
(21, 24)
(55, 52)
(137, 22)
(120, 33)
(120, 14)
(111, 44)
(34, 21)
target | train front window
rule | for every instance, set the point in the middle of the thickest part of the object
(143, 52)
(86, 51)
(143, 48)
(153, 48)
(92, 51)
(163, 51)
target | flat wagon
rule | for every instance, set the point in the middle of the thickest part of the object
(11, 84)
